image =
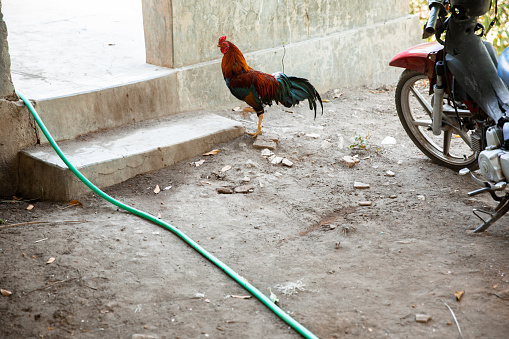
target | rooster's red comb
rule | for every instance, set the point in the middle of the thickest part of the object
(223, 38)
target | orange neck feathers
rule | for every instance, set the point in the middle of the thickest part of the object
(233, 62)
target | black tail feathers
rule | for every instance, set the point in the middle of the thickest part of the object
(292, 90)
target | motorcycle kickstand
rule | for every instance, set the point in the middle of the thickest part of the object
(500, 210)
(502, 207)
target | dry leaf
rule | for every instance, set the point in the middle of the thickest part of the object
(50, 260)
(458, 295)
(226, 168)
(5, 292)
(75, 203)
(241, 296)
(30, 207)
(213, 152)
(157, 189)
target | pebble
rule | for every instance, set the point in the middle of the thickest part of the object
(421, 197)
(251, 164)
(267, 152)
(393, 196)
(244, 189)
(264, 143)
(313, 135)
(276, 160)
(224, 190)
(360, 185)
(390, 173)
(287, 162)
(422, 318)
(325, 144)
(389, 141)
(350, 161)
(246, 179)
(365, 203)
(144, 336)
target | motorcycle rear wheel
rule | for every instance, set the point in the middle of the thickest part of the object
(452, 148)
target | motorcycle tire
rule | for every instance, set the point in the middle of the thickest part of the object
(413, 104)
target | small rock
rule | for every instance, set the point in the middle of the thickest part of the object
(251, 164)
(389, 141)
(360, 185)
(276, 160)
(267, 152)
(287, 162)
(390, 173)
(278, 174)
(144, 336)
(350, 161)
(264, 143)
(393, 196)
(421, 197)
(244, 189)
(246, 179)
(422, 318)
(365, 203)
(325, 144)
(313, 135)
(224, 190)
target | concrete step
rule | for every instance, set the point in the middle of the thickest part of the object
(113, 156)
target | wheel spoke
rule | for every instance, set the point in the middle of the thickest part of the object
(447, 141)
(461, 133)
(427, 106)
(422, 122)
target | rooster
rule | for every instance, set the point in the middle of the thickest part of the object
(258, 89)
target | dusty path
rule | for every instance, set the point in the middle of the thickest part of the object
(360, 271)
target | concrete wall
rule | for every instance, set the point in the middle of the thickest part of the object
(255, 24)
(17, 130)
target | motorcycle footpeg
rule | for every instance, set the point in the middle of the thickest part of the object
(487, 187)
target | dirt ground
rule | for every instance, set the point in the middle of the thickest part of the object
(341, 269)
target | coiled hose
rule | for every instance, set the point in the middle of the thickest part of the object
(259, 295)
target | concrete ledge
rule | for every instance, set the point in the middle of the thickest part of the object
(114, 156)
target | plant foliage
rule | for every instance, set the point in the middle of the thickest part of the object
(497, 35)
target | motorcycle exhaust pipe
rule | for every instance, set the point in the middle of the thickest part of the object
(438, 99)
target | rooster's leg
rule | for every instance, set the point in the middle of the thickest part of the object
(259, 129)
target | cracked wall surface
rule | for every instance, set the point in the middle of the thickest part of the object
(260, 24)
(17, 129)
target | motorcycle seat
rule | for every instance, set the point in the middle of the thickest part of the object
(503, 66)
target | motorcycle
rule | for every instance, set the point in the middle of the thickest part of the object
(453, 99)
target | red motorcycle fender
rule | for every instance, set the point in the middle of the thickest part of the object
(420, 58)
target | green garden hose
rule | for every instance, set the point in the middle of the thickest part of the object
(259, 295)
